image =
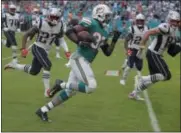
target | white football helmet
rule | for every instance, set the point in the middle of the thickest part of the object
(54, 16)
(173, 19)
(140, 20)
(12, 9)
(35, 11)
(102, 13)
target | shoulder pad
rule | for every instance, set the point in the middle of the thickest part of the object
(86, 21)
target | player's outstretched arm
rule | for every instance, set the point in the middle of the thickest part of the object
(147, 34)
(30, 33)
(127, 39)
(108, 49)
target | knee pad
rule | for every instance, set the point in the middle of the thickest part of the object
(92, 85)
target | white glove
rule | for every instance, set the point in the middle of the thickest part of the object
(18, 30)
(5, 29)
(139, 54)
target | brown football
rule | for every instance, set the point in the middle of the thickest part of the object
(84, 36)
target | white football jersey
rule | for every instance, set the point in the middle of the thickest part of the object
(11, 21)
(47, 33)
(161, 41)
(137, 36)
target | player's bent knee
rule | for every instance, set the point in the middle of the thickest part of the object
(34, 72)
(48, 68)
(168, 77)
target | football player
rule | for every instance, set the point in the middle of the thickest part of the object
(159, 71)
(81, 77)
(35, 16)
(132, 41)
(47, 29)
(10, 26)
(62, 43)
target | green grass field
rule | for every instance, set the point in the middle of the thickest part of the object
(107, 109)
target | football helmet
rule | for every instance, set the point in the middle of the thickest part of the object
(53, 16)
(140, 20)
(102, 13)
(12, 9)
(173, 19)
(35, 11)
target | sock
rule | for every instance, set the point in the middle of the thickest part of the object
(125, 63)
(81, 87)
(149, 80)
(62, 97)
(139, 73)
(46, 79)
(23, 67)
(57, 49)
(47, 107)
(14, 53)
(63, 44)
(126, 72)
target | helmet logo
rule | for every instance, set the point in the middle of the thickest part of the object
(100, 10)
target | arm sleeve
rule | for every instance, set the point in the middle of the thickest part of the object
(86, 22)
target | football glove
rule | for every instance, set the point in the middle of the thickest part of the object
(5, 29)
(116, 35)
(24, 52)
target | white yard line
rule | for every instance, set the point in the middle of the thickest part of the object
(153, 119)
(10, 57)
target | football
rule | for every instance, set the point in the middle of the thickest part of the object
(84, 36)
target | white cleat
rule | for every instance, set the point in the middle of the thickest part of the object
(46, 93)
(135, 97)
(10, 65)
(122, 81)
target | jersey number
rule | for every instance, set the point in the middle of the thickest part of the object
(44, 36)
(99, 40)
(137, 40)
(169, 40)
(13, 22)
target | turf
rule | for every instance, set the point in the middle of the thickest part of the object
(107, 109)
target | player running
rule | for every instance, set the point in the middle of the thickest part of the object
(165, 38)
(47, 29)
(81, 77)
(10, 26)
(132, 41)
(62, 43)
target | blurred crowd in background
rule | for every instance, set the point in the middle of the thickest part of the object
(124, 12)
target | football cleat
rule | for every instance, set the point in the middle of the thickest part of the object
(47, 93)
(43, 115)
(56, 88)
(10, 65)
(135, 96)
